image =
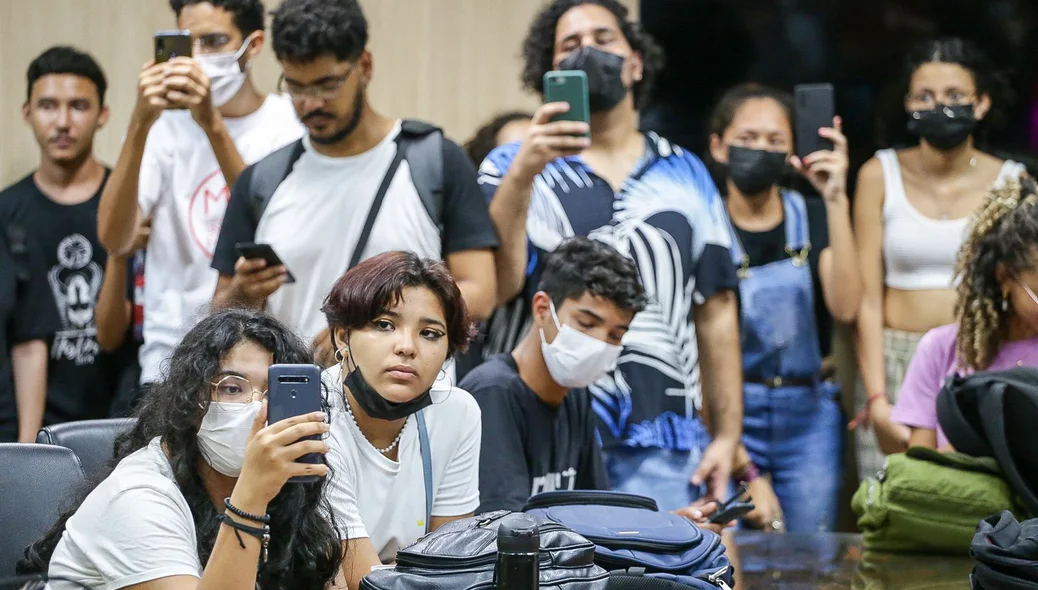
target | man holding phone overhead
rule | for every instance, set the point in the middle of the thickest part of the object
(199, 120)
(655, 203)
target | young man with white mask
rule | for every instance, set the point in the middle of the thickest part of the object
(198, 122)
(539, 429)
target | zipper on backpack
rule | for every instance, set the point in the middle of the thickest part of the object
(716, 580)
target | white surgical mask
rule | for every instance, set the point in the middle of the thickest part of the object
(575, 359)
(226, 77)
(224, 433)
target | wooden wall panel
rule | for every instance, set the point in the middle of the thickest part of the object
(452, 62)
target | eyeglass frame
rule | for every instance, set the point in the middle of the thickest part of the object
(930, 101)
(323, 94)
(215, 385)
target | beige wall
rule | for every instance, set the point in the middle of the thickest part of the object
(453, 62)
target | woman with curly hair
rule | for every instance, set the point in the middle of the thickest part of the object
(997, 310)
(198, 496)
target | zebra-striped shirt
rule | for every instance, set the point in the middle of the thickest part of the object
(667, 217)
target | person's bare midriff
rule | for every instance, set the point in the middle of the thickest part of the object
(918, 311)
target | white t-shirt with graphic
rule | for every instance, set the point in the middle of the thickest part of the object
(182, 188)
(372, 496)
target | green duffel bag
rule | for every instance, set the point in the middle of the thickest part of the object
(923, 501)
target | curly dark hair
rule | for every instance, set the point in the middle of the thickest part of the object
(304, 30)
(1004, 231)
(62, 59)
(539, 45)
(581, 265)
(987, 77)
(305, 547)
(479, 146)
(247, 14)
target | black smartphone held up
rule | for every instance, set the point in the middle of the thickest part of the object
(569, 86)
(294, 390)
(815, 108)
(252, 250)
(170, 44)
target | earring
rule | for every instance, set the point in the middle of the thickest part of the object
(1005, 303)
(339, 355)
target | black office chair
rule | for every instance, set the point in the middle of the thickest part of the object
(37, 482)
(93, 441)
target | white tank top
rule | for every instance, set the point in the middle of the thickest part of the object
(919, 252)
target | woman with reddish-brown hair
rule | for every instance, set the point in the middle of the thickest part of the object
(404, 450)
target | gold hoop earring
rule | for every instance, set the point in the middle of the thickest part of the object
(339, 355)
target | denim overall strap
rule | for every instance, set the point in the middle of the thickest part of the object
(779, 337)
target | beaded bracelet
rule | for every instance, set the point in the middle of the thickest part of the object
(265, 519)
(261, 533)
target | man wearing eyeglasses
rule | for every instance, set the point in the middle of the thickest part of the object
(197, 123)
(355, 169)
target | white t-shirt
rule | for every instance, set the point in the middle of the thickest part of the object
(182, 187)
(315, 217)
(384, 500)
(134, 527)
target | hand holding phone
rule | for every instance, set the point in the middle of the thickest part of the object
(815, 108)
(295, 390)
(258, 273)
(822, 153)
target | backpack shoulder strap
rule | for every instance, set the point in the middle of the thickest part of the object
(422, 144)
(268, 174)
(423, 442)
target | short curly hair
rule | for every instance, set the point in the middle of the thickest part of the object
(539, 45)
(304, 30)
(583, 265)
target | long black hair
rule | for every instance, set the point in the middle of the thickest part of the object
(305, 548)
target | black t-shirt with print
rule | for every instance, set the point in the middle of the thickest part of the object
(79, 376)
(529, 446)
(770, 246)
(26, 313)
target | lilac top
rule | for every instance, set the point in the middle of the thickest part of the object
(934, 360)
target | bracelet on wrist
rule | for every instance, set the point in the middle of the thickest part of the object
(862, 417)
(261, 533)
(746, 474)
(265, 519)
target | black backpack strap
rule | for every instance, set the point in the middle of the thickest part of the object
(268, 174)
(422, 145)
(376, 206)
(959, 415)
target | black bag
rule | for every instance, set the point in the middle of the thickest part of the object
(992, 414)
(1006, 554)
(461, 555)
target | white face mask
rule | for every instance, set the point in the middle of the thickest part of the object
(575, 359)
(226, 77)
(224, 433)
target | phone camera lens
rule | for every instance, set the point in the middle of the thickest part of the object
(294, 392)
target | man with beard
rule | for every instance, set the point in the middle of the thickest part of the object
(197, 123)
(654, 202)
(351, 188)
(55, 208)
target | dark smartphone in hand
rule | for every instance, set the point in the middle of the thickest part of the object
(252, 251)
(170, 44)
(294, 390)
(733, 511)
(569, 86)
(815, 108)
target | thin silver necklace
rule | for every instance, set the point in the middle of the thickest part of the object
(391, 446)
(944, 213)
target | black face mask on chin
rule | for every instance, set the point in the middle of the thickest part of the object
(604, 70)
(371, 401)
(944, 127)
(755, 171)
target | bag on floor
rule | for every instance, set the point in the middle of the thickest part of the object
(929, 502)
(1005, 553)
(631, 534)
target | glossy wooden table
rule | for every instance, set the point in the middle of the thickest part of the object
(835, 560)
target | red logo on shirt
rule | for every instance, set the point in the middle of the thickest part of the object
(206, 210)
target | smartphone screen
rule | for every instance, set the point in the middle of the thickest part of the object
(294, 390)
(170, 44)
(569, 86)
(265, 252)
(815, 108)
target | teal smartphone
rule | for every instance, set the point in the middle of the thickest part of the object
(569, 86)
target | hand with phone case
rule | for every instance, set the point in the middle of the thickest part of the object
(553, 133)
(256, 276)
(295, 390)
(822, 155)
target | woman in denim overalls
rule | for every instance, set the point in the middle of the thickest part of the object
(793, 424)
